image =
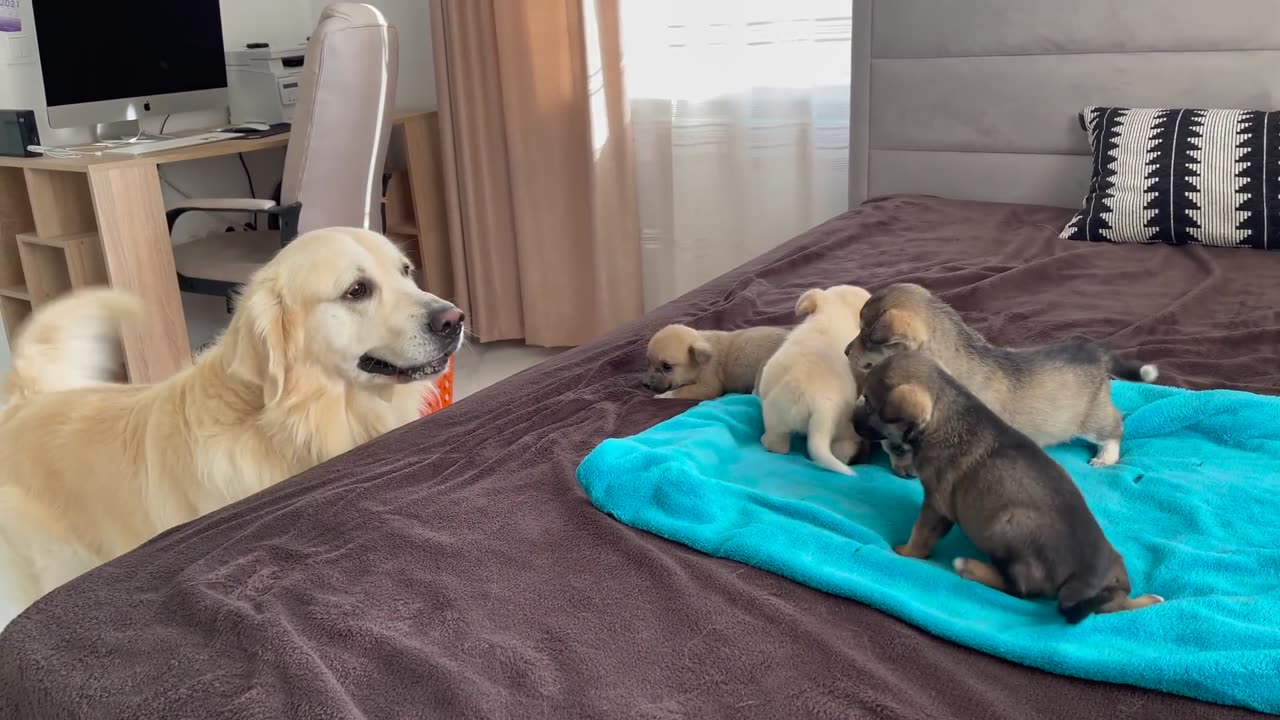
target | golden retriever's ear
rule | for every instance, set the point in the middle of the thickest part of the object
(910, 403)
(700, 351)
(266, 337)
(808, 302)
(901, 327)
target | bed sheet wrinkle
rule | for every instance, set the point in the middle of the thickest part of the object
(1186, 297)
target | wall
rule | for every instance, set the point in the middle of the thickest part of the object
(243, 21)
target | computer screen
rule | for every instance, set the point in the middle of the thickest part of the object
(91, 52)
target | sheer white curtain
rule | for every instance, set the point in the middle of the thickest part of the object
(740, 115)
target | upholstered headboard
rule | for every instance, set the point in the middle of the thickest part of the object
(978, 99)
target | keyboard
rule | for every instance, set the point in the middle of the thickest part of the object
(140, 148)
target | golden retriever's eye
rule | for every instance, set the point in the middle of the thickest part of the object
(359, 290)
(666, 367)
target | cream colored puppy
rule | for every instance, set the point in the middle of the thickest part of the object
(806, 387)
(330, 346)
(688, 364)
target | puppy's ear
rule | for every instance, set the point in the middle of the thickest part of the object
(265, 337)
(808, 302)
(910, 403)
(700, 351)
(900, 327)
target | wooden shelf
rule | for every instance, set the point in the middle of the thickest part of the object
(13, 312)
(61, 242)
(53, 265)
(17, 292)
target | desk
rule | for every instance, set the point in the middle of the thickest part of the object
(99, 219)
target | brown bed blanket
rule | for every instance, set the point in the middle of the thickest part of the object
(454, 569)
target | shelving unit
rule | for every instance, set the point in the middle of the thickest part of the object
(402, 226)
(47, 245)
(415, 202)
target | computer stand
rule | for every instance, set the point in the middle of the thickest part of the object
(123, 131)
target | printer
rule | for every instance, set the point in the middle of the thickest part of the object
(262, 82)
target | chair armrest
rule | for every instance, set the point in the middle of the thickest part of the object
(215, 204)
(288, 214)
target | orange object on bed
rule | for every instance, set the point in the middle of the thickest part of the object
(440, 395)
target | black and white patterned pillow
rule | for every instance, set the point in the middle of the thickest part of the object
(1182, 176)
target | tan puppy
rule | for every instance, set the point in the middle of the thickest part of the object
(330, 346)
(1018, 506)
(1052, 393)
(806, 386)
(689, 364)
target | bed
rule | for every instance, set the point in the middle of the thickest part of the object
(454, 568)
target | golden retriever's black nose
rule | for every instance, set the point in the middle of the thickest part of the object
(447, 321)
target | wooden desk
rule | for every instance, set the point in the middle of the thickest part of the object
(99, 219)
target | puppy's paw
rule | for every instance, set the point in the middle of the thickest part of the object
(908, 551)
(964, 570)
(1108, 454)
(845, 449)
(664, 396)
(978, 571)
(780, 444)
(907, 472)
(863, 454)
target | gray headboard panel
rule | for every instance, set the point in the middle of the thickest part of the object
(978, 99)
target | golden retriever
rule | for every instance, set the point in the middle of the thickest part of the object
(329, 347)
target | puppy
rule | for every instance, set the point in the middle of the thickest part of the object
(1012, 500)
(1052, 393)
(689, 364)
(806, 386)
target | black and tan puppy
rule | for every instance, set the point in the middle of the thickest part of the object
(1053, 393)
(688, 364)
(1014, 503)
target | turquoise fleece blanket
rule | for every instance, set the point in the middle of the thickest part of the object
(1193, 506)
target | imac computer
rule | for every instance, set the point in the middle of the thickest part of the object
(111, 66)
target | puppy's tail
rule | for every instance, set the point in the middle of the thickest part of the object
(71, 342)
(1132, 371)
(822, 430)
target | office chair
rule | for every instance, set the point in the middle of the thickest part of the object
(333, 171)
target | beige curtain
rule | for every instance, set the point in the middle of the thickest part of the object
(538, 168)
